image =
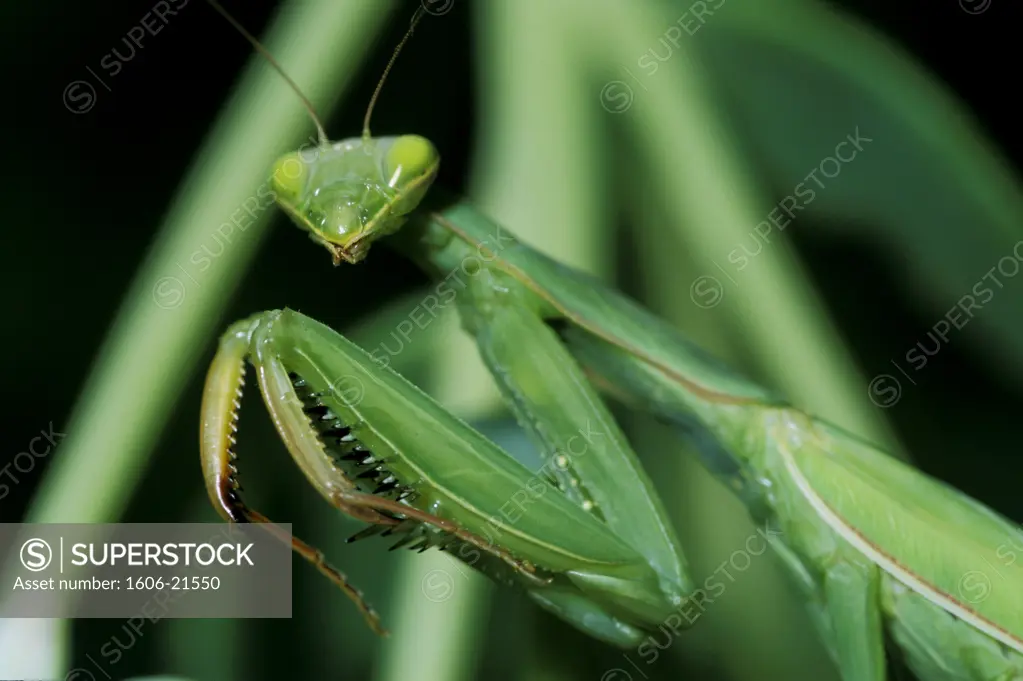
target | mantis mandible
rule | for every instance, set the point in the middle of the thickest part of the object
(875, 546)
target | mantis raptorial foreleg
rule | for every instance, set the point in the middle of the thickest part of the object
(250, 339)
(221, 402)
(220, 409)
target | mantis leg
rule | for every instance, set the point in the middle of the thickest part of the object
(293, 424)
(852, 596)
(936, 646)
(253, 339)
(220, 405)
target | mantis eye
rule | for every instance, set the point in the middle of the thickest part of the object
(289, 176)
(409, 157)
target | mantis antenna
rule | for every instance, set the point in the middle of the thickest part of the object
(387, 69)
(324, 141)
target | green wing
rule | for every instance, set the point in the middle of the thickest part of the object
(947, 547)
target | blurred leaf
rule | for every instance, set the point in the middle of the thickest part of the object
(799, 77)
(692, 163)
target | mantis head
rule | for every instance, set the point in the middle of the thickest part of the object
(348, 194)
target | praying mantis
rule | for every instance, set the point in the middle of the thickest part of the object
(880, 551)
